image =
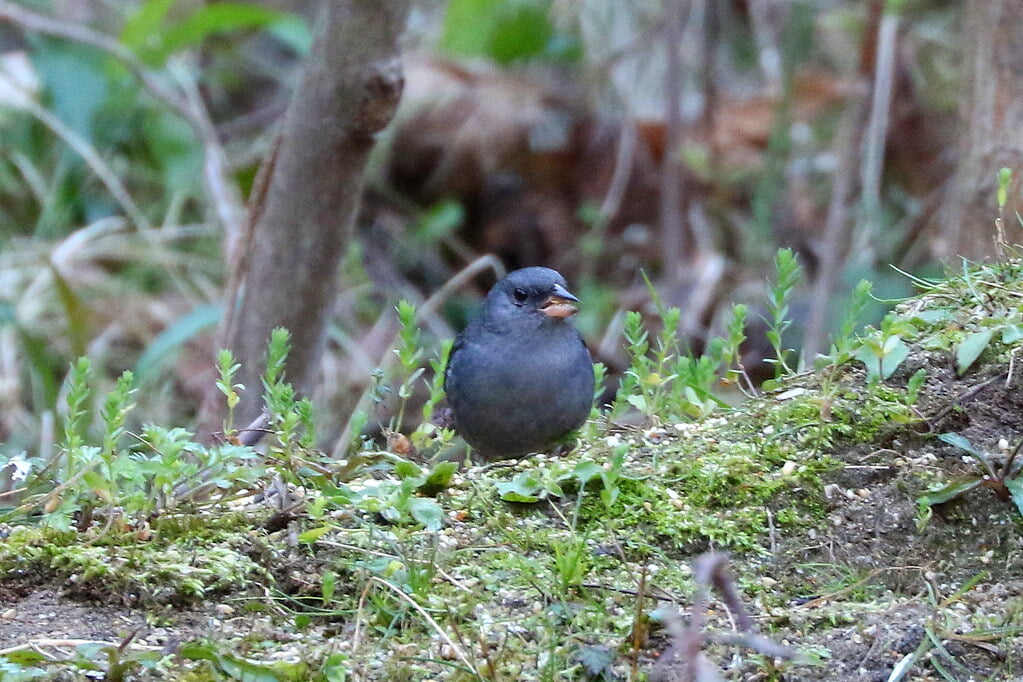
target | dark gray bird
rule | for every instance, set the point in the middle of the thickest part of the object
(519, 376)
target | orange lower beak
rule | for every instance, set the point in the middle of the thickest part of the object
(557, 306)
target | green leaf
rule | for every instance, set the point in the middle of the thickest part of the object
(960, 442)
(426, 512)
(637, 401)
(586, 471)
(237, 668)
(949, 492)
(99, 486)
(405, 469)
(438, 479)
(75, 79)
(293, 31)
(596, 660)
(175, 151)
(1015, 486)
(896, 354)
(141, 28)
(314, 534)
(149, 36)
(12, 672)
(439, 220)
(24, 657)
(75, 312)
(468, 25)
(1004, 179)
(915, 383)
(335, 668)
(869, 358)
(43, 375)
(970, 349)
(521, 33)
(1011, 333)
(504, 30)
(525, 487)
(216, 17)
(892, 354)
(168, 342)
(609, 495)
(328, 584)
(509, 495)
(933, 316)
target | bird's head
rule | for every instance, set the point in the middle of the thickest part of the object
(536, 293)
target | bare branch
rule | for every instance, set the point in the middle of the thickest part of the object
(348, 92)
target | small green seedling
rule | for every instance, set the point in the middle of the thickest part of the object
(788, 272)
(884, 349)
(1003, 479)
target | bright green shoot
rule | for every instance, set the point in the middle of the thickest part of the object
(410, 356)
(788, 273)
(227, 368)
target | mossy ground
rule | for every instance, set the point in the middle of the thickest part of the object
(813, 489)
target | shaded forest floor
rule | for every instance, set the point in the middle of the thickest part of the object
(860, 537)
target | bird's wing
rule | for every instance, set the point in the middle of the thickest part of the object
(455, 347)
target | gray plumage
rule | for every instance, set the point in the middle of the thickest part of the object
(519, 376)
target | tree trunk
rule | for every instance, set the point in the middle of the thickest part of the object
(992, 128)
(285, 267)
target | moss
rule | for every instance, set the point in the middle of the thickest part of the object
(499, 579)
(157, 571)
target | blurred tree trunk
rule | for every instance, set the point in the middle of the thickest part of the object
(992, 126)
(284, 265)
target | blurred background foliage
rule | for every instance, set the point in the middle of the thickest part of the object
(687, 140)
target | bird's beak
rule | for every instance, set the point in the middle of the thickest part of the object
(561, 303)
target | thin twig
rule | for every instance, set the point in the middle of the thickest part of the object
(238, 246)
(624, 160)
(716, 566)
(877, 127)
(1012, 365)
(835, 246)
(92, 159)
(972, 392)
(765, 35)
(772, 534)
(223, 192)
(662, 595)
(255, 431)
(35, 645)
(357, 636)
(683, 660)
(859, 583)
(429, 619)
(55, 493)
(1010, 460)
(671, 217)
(637, 628)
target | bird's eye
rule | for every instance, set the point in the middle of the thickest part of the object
(520, 296)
